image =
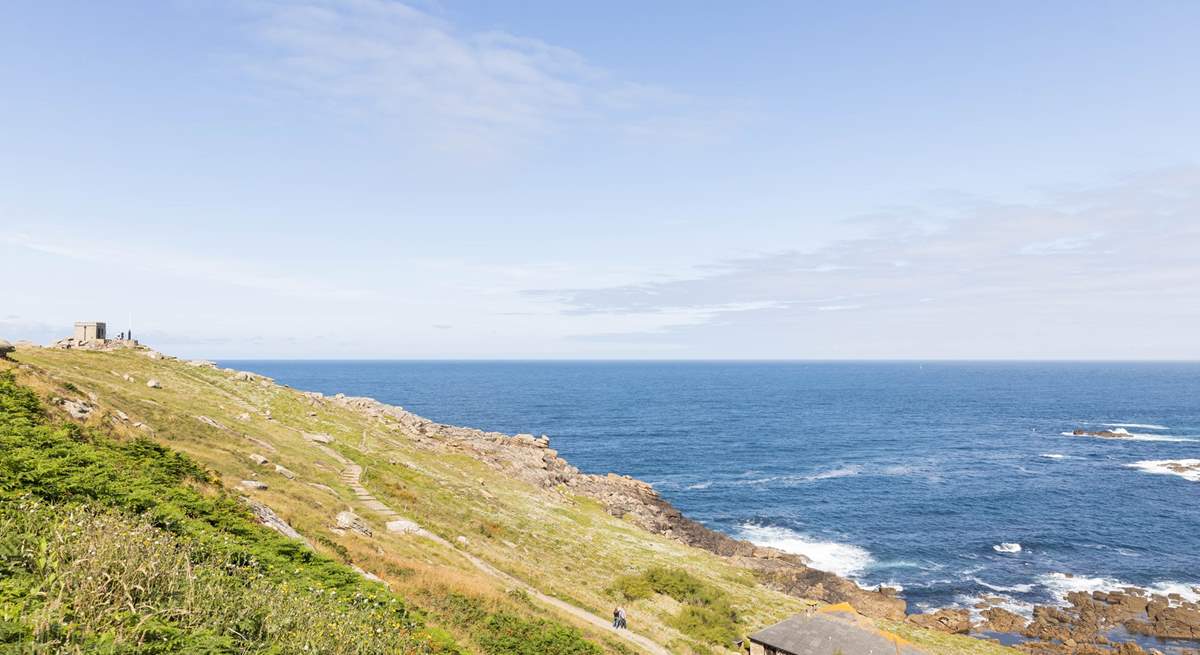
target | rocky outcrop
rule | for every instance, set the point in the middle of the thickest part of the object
(954, 621)
(5, 348)
(349, 521)
(998, 619)
(530, 458)
(270, 519)
(1084, 625)
(70, 343)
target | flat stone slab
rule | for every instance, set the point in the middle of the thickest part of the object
(404, 526)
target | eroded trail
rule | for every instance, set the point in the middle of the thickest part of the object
(351, 474)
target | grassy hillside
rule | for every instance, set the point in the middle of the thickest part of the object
(537, 540)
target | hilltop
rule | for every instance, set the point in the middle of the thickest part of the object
(492, 543)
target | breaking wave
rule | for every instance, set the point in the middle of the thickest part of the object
(1190, 467)
(1125, 435)
(1061, 584)
(1018, 588)
(1007, 547)
(1141, 426)
(843, 559)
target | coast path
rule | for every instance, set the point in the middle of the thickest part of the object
(352, 475)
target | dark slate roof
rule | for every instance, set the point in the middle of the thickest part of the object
(826, 634)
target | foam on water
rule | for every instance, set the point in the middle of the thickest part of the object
(1163, 467)
(1007, 547)
(1141, 426)
(843, 559)
(840, 472)
(1061, 584)
(1126, 435)
(1017, 588)
(1053, 456)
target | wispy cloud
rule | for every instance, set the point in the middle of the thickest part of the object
(461, 89)
(160, 260)
(1125, 250)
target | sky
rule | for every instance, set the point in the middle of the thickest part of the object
(608, 180)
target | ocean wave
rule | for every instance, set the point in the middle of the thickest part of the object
(1061, 584)
(847, 471)
(1053, 455)
(1007, 547)
(970, 603)
(1017, 588)
(700, 485)
(1141, 426)
(841, 472)
(1125, 435)
(845, 560)
(1188, 469)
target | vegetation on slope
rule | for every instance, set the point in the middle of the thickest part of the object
(562, 544)
(706, 613)
(125, 546)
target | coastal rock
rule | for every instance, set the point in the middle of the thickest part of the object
(153, 384)
(77, 409)
(954, 621)
(350, 521)
(318, 438)
(5, 348)
(404, 526)
(254, 485)
(998, 619)
(258, 459)
(281, 470)
(270, 519)
(1169, 621)
(210, 422)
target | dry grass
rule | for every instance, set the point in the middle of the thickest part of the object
(563, 546)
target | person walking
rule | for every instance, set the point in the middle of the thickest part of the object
(621, 618)
(616, 618)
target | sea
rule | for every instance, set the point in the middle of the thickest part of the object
(950, 481)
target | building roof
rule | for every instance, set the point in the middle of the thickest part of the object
(830, 632)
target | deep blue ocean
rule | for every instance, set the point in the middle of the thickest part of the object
(923, 475)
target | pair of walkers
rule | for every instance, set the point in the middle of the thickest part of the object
(619, 619)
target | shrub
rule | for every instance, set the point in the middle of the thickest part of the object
(707, 614)
(125, 546)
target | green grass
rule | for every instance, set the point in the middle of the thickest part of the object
(128, 547)
(562, 544)
(706, 615)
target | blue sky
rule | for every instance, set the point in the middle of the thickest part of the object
(366, 178)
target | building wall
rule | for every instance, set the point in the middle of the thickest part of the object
(89, 331)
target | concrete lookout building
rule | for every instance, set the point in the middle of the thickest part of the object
(90, 331)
